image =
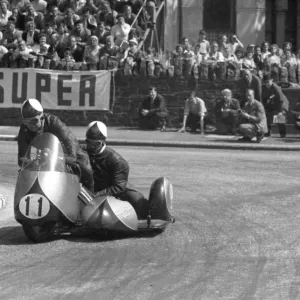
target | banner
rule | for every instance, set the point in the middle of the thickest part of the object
(77, 90)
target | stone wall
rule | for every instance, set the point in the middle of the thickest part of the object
(129, 91)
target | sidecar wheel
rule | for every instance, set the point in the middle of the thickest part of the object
(38, 234)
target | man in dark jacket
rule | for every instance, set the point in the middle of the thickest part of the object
(275, 103)
(153, 111)
(226, 112)
(35, 122)
(250, 81)
(111, 170)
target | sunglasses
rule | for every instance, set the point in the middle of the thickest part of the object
(32, 121)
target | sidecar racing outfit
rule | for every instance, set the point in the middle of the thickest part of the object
(52, 124)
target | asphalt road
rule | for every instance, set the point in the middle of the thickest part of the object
(236, 235)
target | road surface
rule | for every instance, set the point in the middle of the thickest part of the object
(236, 235)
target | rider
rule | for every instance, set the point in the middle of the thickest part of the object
(35, 122)
(111, 170)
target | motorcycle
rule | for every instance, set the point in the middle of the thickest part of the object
(50, 201)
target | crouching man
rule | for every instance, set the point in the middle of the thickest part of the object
(252, 119)
(111, 170)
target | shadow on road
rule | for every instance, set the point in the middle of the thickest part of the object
(13, 235)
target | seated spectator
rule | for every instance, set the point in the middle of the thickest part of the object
(289, 59)
(31, 35)
(22, 52)
(49, 31)
(101, 33)
(132, 58)
(275, 103)
(239, 56)
(109, 53)
(43, 46)
(91, 53)
(16, 17)
(252, 119)
(194, 113)
(153, 112)
(90, 5)
(11, 35)
(258, 58)
(215, 54)
(129, 16)
(265, 46)
(54, 17)
(82, 34)
(63, 34)
(234, 44)
(273, 58)
(4, 15)
(77, 5)
(120, 32)
(107, 15)
(89, 21)
(68, 56)
(204, 44)
(19, 4)
(76, 50)
(39, 6)
(70, 19)
(56, 49)
(226, 112)
(225, 46)
(287, 46)
(248, 62)
(185, 44)
(32, 15)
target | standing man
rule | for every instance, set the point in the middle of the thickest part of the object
(194, 112)
(153, 112)
(226, 112)
(250, 81)
(35, 122)
(275, 103)
(253, 120)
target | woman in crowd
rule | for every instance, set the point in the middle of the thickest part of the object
(91, 53)
(248, 62)
(234, 43)
(265, 46)
(225, 47)
(273, 58)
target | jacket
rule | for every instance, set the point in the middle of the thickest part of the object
(274, 99)
(254, 84)
(110, 171)
(156, 106)
(233, 105)
(257, 115)
(36, 35)
(54, 125)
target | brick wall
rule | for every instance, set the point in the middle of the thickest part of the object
(128, 93)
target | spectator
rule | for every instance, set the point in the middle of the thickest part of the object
(287, 46)
(198, 56)
(153, 111)
(204, 44)
(63, 34)
(194, 113)
(250, 81)
(11, 36)
(91, 53)
(225, 46)
(239, 57)
(32, 15)
(70, 18)
(265, 46)
(248, 62)
(88, 19)
(258, 58)
(90, 6)
(4, 15)
(234, 44)
(3, 51)
(109, 52)
(120, 31)
(82, 34)
(53, 17)
(76, 50)
(39, 5)
(101, 33)
(17, 17)
(107, 15)
(151, 10)
(49, 31)
(120, 5)
(19, 4)
(21, 52)
(215, 54)
(133, 58)
(31, 35)
(273, 58)
(226, 112)
(289, 59)
(68, 59)
(275, 103)
(252, 119)
(77, 5)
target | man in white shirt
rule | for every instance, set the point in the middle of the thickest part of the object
(194, 111)
(4, 15)
(120, 31)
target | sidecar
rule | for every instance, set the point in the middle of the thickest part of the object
(50, 201)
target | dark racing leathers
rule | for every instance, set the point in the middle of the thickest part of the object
(111, 173)
(73, 152)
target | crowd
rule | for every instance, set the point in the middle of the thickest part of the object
(75, 34)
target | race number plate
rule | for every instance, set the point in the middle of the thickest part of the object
(34, 206)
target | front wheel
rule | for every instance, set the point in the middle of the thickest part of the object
(38, 234)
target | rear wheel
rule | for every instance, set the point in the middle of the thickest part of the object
(38, 234)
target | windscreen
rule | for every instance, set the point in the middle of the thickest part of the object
(45, 153)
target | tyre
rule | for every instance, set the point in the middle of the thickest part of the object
(38, 234)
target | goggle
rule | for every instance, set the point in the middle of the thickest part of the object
(32, 121)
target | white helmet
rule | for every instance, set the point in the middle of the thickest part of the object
(31, 108)
(96, 131)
